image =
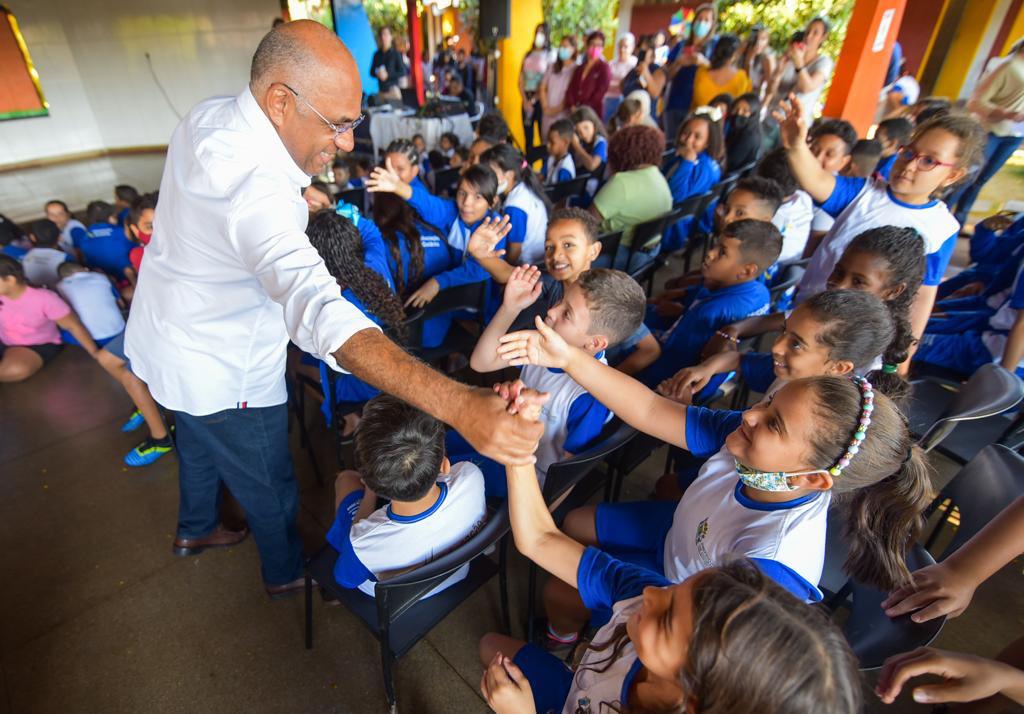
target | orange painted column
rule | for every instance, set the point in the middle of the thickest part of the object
(860, 71)
(415, 50)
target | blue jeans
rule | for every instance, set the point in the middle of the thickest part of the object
(997, 151)
(247, 450)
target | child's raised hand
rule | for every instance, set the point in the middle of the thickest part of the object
(968, 678)
(486, 237)
(543, 347)
(685, 383)
(385, 179)
(937, 591)
(424, 294)
(523, 288)
(506, 688)
(792, 127)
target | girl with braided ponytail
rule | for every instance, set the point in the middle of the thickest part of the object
(364, 283)
(766, 490)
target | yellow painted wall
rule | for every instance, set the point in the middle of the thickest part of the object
(526, 15)
(1016, 32)
(960, 54)
(931, 42)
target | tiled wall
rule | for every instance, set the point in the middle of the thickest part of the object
(90, 55)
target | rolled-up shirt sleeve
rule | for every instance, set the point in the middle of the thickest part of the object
(318, 319)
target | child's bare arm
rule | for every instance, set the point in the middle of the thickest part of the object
(647, 351)
(813, 179)
(347, 483)
(1014, 350)
(72, 324)
(522, 290)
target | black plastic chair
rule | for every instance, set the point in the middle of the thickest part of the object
(397, 616)
(789, 277)
(536, 153)
(666, 157)
(567, 190)
(609, 246)
(646, 237)
(471, 298)
(445, 181)
(564, 475)
(990, 482)
(872, 635)
(990, 391)
(355, 196)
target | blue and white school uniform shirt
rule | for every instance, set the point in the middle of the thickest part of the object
(94, 299)
(1003, 321)
(884, 167)
(716, 519)
(41, 265)
(107, 248)
(793, 219)
(384, 544)
(72, 236)
(528, 217)
(559, 171)
(572, 417)
(859, 204)
(691, 178)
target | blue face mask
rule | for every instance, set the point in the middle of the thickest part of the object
(701, 28)
(564, 53)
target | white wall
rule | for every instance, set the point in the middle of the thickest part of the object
(90, 55)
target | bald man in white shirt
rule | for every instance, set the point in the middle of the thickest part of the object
(230, 276)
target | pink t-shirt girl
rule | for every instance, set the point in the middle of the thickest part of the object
(31, 318)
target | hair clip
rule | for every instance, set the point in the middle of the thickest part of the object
(889, 368)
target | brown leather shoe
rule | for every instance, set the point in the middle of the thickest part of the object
(219, 538)
(277, 592)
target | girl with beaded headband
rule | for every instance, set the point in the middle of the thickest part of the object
(815, 439)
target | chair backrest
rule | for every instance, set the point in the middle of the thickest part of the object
(872, 635)
(610, 243)
(536, 153)
(989, 482)
(691, 206)
(666, 157)
(567, 189)
(991, 390)
(396, 595)
(471, 296)
(787, 278)
(648, 232)
(563, 475)
(445, 180)
(355, 196)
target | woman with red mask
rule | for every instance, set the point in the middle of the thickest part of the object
(591, 79)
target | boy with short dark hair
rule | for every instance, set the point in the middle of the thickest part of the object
(140, 225)
(729, 291)
(863, 159)
(106, 247)
(795, 213)
(434, 506)
(754, 197)
(891, 134)
(559, 166)
(42, 261)
(123, 197)
(599, 309)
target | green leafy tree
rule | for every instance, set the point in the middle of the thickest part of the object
(784, 17)
(390, 13)
(578, 17)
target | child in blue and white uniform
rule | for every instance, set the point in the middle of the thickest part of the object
(72, 231)
(434, 506)
(644, 658)
(766, 491)
(589, 148)
(693, 170)
(42, 261)
(106, 247)
(525, 203)
(94, 299)
(599, 309)
(559, 165)
(940, 154)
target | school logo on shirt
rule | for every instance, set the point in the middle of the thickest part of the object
(698, 541)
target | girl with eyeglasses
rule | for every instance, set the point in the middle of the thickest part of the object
(940, 154)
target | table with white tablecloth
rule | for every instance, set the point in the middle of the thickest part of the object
(385, 127)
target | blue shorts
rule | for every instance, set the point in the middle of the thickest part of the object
(635, 531)
(550, 678)
(115, 346)
(964, 352)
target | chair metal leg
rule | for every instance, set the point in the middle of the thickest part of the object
(386, 663)
(531, 604)
(309, 609)
(506, 618)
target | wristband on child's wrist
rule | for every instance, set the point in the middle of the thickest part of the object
(727, 336)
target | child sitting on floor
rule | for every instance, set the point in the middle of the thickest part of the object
(29, 322)
(107, 247)
(94, 299)
(729, 291)
(435, 506)
(600, 308)
(140, 226)
(667, 647)
(559, 165)
(42, 261)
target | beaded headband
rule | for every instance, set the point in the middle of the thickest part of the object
(867, 406)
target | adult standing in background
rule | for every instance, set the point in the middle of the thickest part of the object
(803, 71)
(999, 103)
(758, 60)
(555, 84)
(535, 64)
(230, 275)
(720, 75)
(591, 79)
(681, 68)
(625, 60)
(388, 67)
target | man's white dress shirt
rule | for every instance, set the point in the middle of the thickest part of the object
(230, 275)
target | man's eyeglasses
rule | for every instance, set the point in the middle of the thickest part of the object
(924, 163)
(338, 129)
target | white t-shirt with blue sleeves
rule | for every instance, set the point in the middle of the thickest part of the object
(559, 171)
(94, 299)
(528, 218)
(859, 204)
(572, 417)
(384, 544)
(715, 518)
(1004, 319)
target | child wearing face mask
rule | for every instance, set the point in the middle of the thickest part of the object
(524, 202)
(743, 132)
(140, 227)
(664, 644)
(766, 490)
(692, 170)
(535, 64)
(940, 154)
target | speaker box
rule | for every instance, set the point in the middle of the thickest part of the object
(495, 19)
